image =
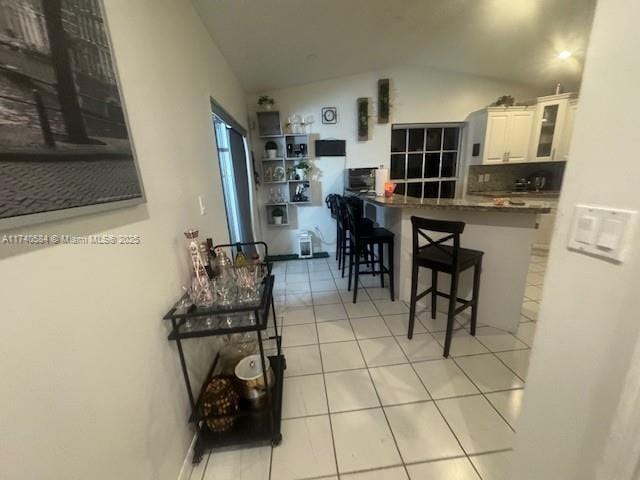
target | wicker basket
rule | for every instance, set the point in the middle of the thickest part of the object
(220, 398)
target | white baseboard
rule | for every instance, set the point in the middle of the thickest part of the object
(185, 471)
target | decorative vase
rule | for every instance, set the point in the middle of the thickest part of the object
(224, 278)
(219, 402)
(201, 292)
(277, 220)
(271, 154)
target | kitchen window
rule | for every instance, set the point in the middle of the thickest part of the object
(424, 159)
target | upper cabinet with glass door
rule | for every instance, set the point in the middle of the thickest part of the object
(549, 128)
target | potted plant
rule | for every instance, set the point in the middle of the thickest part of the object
(271, 149)
(277, 215)
(291, 173)
(505, 100)
(266, 102)
(302, 169)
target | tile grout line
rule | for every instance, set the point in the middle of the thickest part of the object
(375, 389)
(485, 396)
(436, 406)
(413, 402)
(326, 395)
(435, 403)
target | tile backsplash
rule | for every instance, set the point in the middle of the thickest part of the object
(503, 176)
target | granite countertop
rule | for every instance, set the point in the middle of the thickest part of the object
(527, 194)
(468, 203)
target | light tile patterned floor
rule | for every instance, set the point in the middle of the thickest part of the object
(362, 402)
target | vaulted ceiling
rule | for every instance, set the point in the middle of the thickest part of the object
(273, 44)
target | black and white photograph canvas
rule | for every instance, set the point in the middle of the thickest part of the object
(64, 141)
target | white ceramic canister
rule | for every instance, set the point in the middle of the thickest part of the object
(249, 372)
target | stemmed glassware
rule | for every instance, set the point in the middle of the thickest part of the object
(249, 280)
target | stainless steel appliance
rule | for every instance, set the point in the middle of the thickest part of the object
(360, 179)
(538, 180)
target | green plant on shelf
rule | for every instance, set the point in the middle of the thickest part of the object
(277, 214)
(266, 102)
(303, 168)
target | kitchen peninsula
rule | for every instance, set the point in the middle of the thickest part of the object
(505, 233)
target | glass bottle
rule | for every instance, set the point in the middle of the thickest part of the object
(225, 278)
(201, 292)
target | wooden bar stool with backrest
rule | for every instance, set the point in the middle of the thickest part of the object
(451, 259)
(361, 243)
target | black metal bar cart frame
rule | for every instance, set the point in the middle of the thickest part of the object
(251, 426)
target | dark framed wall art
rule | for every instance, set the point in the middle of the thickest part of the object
(65, 146)
(329, 115)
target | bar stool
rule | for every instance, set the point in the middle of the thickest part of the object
(447, 259)
(344, 232)
(362, 242)
(332, 203)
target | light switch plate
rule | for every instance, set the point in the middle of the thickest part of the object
(203, 207)
(602, 231)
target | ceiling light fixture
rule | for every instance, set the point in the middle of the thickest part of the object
(563, 55)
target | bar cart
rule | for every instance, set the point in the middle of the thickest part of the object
(250, 426)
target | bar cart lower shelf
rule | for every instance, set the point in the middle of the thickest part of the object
(252, 426)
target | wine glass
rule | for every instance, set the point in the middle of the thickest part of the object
(308, 120)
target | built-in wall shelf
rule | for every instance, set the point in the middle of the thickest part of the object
(291, 149)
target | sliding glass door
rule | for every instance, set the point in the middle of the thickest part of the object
(232, 157)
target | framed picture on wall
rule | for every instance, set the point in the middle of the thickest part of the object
(329, 115)
(65, 145)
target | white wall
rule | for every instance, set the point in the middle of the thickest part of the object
(91, 388)
(418, 95)
(588, 322)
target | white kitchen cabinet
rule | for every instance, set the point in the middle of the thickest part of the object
(495, 148)
(519, 135)
(508, 134)
(548, 127)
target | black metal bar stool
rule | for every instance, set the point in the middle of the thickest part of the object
(447, 259)
(362, 241)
